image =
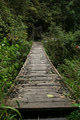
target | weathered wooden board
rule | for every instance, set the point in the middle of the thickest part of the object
(25, 104)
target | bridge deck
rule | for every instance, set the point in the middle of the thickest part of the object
(39, 85)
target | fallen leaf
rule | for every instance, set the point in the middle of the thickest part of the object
(50, 96)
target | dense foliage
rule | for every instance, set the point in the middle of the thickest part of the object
(14, 48)
(60, 21)
(63, 51)
(63, 41)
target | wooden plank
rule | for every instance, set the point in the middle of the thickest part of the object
(36, 79)
(39, 62)
(41, 72)
(40, 88)
(37, 99)
(38, 68)
(38, 75)
(32, 84)
(39, 65)
(40, 84)
(47, 105)
(41, 78)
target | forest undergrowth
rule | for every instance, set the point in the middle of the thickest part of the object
(14, 48)
(64, 52)
(60, 22)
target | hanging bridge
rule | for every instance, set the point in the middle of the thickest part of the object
(39, 86)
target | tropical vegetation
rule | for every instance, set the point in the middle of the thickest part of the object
(60, 21)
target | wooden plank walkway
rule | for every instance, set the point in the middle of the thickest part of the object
(38, 84)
